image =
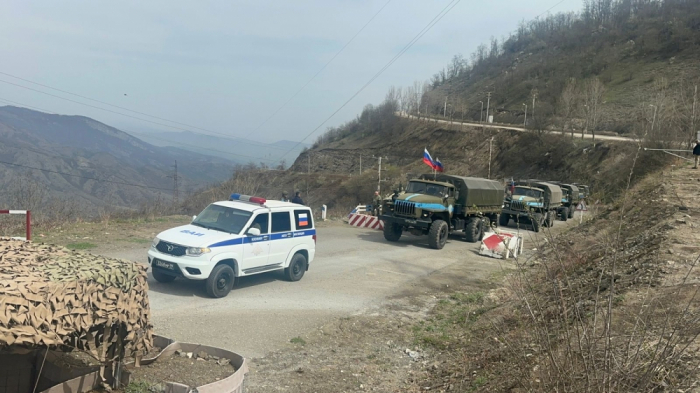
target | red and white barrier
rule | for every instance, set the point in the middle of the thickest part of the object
(501, 245)
(29, 220)
(365, 221)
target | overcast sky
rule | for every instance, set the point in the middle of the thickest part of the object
(227, 65)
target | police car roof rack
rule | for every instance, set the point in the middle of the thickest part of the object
(247, 198)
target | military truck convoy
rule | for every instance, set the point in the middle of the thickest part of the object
(437, 205)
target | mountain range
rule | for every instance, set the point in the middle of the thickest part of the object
(93, 164)
(238, 150)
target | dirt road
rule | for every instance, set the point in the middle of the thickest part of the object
(354, 270)
(520, 129)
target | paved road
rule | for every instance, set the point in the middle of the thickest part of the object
(503, 127)
(354, 270)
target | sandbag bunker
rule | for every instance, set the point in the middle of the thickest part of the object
(72, 322)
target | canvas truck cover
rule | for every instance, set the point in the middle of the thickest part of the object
(552, 192)
(574, 191)
(473, 191)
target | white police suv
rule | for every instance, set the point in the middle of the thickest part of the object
(240, 237)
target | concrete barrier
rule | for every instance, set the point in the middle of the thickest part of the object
(501, 245)
(365, 221)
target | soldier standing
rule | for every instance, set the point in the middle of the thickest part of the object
(376, 203)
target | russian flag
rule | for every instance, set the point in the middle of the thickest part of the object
(438, 165)
(303, 219)
(427, 159)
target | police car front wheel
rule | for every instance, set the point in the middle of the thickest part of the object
(220, 281)
(296, 268)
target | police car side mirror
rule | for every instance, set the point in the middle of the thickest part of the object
(253, 232)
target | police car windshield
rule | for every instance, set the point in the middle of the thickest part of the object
(426, 188)
(222, 218)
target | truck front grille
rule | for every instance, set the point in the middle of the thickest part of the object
(405, 208)
(517, 205)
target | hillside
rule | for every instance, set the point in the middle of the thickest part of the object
(82, 150)
(240, 151)
(617, 65)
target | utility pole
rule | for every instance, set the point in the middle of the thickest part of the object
(534, 95)
(490, 150)
(444, 112)
(583, 131)
(488, 104)
(379, 182)
(653, 120)
(176, 186)
(525, 121)
(481, 114)
(360, 164)
(308, 175)
(692, 120)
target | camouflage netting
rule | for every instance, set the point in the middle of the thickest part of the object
(53, 297)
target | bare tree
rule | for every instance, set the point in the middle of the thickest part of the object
(27, 192)
(593, 99)
(567, 104)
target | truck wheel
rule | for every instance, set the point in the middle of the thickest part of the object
(564, 214)
(162, 277)
(571, 213)
(551, 215)
(220, 281)
(537, 221)
(474, 231)
(485, 227)
(392, 232)
(503, 220)
(296, 268)
(437, 236)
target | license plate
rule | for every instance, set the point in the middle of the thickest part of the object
(164, 265)
(410, 221)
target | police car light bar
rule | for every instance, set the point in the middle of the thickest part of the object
(246, 198)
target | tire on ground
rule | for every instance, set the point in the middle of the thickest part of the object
(474, 230)
(503, 220)
(220, 281)
(571, 212)
(537, 221)
(162, 277)
(392, 232)
(297, 267)
(564, 213)
(437, 236)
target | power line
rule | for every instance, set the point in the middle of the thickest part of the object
(420, 34)
(149, 136)
(130, 110)
(550, 8)
(322, 68)
(84, 177)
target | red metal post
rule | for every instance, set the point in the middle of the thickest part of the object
(29, 225)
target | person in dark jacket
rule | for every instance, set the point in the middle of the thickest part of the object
(696, 153)
(297, 199)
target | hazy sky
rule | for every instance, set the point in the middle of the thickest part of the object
(226, 65)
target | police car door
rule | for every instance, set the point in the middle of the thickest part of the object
(282, 237)
(256, 249)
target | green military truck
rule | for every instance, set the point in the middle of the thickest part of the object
(584, 190)
(532, 201)
(436, 205)
(569, 201)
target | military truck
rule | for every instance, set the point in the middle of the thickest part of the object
(569, 200)
(436, 205)
(584, 190)
(532, 201)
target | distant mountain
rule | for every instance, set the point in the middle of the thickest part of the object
(239, 150)
(85, 148)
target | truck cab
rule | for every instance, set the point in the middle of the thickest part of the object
(534, 202)
(438, 206)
